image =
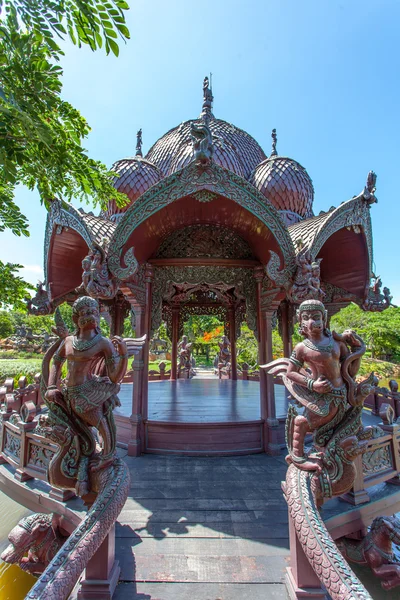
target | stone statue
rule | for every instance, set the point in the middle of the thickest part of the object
(375, 550)
(96, 277)
(34, 542)
(186, 361)
(87, 398)
(224, 355)
(320, 376)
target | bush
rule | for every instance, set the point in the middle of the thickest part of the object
(18, 368)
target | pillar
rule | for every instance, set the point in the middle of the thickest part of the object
(102, 572)
(175, 335)
(285, 328)
(149, 276)
(301, 580)
(267, 392)
(117, 312)
(232, 336)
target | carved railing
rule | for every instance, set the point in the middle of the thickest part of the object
(248, 373)
(381, 396)
(380, 462)
(162, 374)
(25, 448)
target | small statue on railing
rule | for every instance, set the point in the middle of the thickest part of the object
(34, 542)
(375, 550)
(224, 355)
(96, 277)
(320, 376)
(87, 399)
(185, 360)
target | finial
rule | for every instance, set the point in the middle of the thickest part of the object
(274, 141)
(208, 98)
(139, 143)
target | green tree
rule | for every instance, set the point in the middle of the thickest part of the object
(379, 330)
(6, 324)
(41, 135)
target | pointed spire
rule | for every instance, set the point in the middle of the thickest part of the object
(274, 141)
(208, 98)
(139, 143)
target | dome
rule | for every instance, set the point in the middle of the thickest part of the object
(234, 149)
(135, 176)
(286, 184)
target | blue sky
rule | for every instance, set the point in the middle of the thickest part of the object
(325, 73)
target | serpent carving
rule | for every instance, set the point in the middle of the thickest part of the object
(81, 463)
(332, 403)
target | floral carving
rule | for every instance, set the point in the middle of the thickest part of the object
(12, 445)
(378, 459)
(208, 241)
(187, 182)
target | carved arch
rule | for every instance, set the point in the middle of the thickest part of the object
(203, 184)
(354, 213)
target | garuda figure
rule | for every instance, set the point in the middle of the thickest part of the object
(320, 376)
(88, 394)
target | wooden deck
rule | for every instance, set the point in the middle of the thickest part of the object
(203, 529)
(200, 416)
(202, 401)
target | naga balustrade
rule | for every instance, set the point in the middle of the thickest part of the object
(380, 462)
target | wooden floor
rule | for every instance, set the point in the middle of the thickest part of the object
(203, 529)
(202, 401)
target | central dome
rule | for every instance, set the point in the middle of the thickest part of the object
(234, 149)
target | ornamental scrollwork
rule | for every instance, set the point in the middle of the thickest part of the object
(375, 299)
(204, 241)
(96, 277)
(240, 278)
(186, 182)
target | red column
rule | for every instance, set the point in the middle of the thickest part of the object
(286, 337)
(175, 335)
(149, 275)
(232, 336)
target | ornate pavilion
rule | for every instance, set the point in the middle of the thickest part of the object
(213, 226)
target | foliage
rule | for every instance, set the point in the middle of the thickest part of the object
(213, 335)
(17, 368)
(6, 324)
(41, 135)
(247, 346)
(85, 22)
(196, 326)
(12, 287)
(381, 368)
(380, 331)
